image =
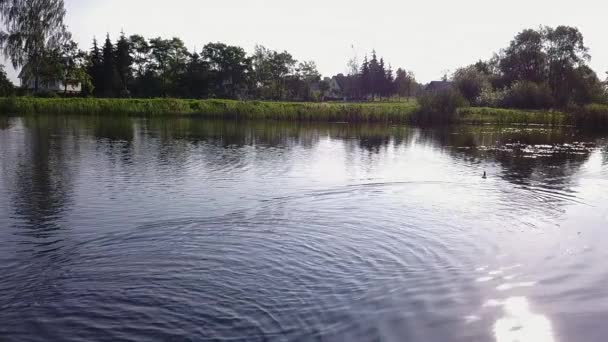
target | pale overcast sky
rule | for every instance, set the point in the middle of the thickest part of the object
(428, 37)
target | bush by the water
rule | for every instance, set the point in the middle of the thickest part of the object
(592, 116)
(528, 95)
(471, 83)
(439, 107)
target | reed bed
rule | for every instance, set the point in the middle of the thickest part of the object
(395, 112)
(500, 116)
(595, 115)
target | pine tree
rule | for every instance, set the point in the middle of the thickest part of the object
(365, 78)
(375, 75)
(95, 69)
(381, 79)
(389, 80)
(110, 75)
(123, 62)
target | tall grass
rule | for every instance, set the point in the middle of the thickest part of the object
(500, 116)
(381, 112)
(396, 112)
(591, 116)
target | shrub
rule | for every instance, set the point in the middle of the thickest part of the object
(491, 98)
(471, 82)
(439, 106)
(592, 116)
(528, 95)
(47, 94)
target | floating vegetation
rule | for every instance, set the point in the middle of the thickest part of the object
(541, 150)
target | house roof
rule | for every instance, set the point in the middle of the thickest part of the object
(340, 80)
(439, 85)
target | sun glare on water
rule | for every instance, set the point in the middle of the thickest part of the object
(519, 324)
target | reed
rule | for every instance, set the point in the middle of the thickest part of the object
(394, 112)
(591, 116)
(408, 112)
(500, 116)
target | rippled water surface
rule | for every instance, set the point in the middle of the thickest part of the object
(191, 230)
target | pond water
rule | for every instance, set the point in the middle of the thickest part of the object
(187, 230)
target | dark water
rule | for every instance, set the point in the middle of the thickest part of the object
(186, 230)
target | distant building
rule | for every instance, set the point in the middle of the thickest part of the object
(439, 86)
(336, 87)
(71, 87)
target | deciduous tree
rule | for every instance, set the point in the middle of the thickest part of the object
(33, 29)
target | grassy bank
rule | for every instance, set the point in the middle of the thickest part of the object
(593, 116)
(397, 112)
(500, 116)
(387, 112)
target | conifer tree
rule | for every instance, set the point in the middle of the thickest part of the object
(389, 89)
(365, 78)
(123, 62)
(110, 75)
(374, 75)
(95, 69)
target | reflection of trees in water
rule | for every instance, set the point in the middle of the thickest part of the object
(374, 144)
(170, 141)
(506, 147)
(467, 143)
(43, 177)
(231, 133)
(42, 191)
(113, 135)
(5, 122)
(113, 129)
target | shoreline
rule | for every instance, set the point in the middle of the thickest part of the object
(364, 112)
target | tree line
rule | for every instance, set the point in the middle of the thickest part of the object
(541, 68)
(36, 40)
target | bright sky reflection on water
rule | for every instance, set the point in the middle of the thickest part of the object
(520, 324)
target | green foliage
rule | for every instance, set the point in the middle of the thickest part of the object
(471, 82)
(593, 116)
(6, 86)
(552, 58)
(405, 83)
(229, 68)
(94, 69)
(46, 94)
(439, 107)
(525, 58)
(123, 62)
(110, 80)
(586, 87)
(376, 80)
(490, 97)
(33, 31)
(525, 94)
(500, 116)
(411, 112)
(226, 109)
(271, 71)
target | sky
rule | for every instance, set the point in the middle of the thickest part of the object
(429, 37)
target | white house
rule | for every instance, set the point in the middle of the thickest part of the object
(71, 87)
